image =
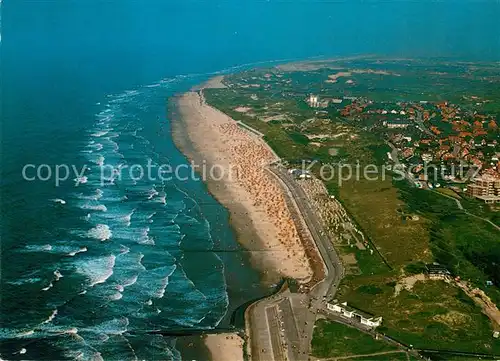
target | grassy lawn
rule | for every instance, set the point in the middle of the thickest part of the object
(433, 314)
(376, 207)
(331, 339)
(449, 192)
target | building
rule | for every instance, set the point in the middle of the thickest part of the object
(313, 101)
(485, 188)
(299, 173)
(437, 271)
(395, 124)
(350, 312)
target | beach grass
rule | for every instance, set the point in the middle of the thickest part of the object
(400, 356)
(331, 339)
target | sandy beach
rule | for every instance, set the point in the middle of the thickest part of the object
(225, 347)
(255, 201)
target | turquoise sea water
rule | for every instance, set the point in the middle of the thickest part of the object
(87, 270)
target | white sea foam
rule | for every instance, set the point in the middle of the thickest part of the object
(130, 281)
(160, 292)
(156, 281)
(101, 232)
(94, 207)
(94, 197)
(97, 270)
(126, 218)
(94, 146)
(38, 248)
(57, 275)
(59, 248)
(81, 180)
(72, 331)
(58, 200)
(124, 249)
(26, 333)
(161, 199)
(81, 250)
(100, 133)
(152, 192)
(51, 317)
(48, 287)
(99, 160)
(115, 296)
(117, 326)
(23, 281)
(139, 261)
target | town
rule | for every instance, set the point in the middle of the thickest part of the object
(404, 252)
(440, 144)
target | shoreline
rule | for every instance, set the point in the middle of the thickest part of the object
(276, 247)
(201, 133)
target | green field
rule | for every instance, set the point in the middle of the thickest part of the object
(331, 339)
(400, 356)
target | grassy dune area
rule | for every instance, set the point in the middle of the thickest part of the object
(332, 339)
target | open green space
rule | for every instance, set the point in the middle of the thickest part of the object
(331, 339)
(400, 356)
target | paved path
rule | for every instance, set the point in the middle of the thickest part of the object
(326, 288)
(461, 207)
(363, 355)
(290, 336)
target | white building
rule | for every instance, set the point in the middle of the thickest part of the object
(350, 312)
(313, 101)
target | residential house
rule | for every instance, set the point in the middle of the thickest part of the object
(485, 188)
(350, 312)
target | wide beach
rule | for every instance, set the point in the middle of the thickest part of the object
(241, 183)
(256, 202)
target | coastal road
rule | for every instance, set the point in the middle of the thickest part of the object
(325, 289)
(334, 268)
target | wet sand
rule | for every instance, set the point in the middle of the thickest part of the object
(225, 347)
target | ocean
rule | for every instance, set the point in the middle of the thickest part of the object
(94, 266)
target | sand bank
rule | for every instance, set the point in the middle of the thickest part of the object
(253, 197)
(225, 347)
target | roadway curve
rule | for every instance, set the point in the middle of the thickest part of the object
(325, 289)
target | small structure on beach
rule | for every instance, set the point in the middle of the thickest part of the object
(350, 312)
